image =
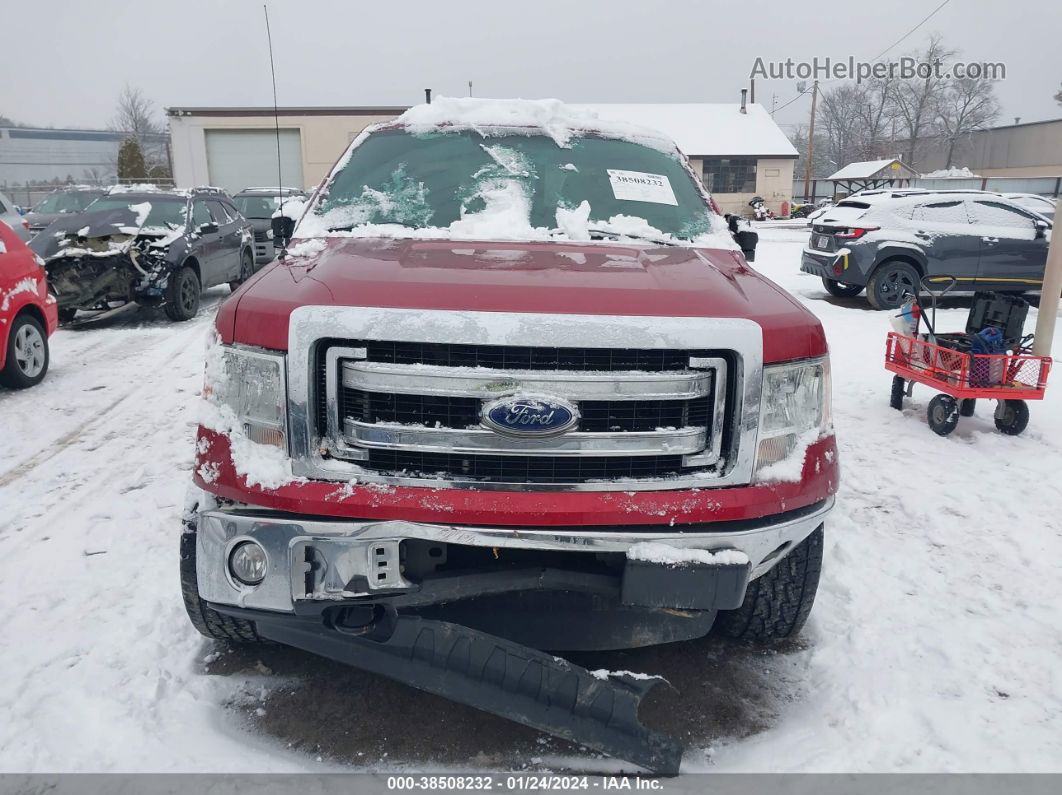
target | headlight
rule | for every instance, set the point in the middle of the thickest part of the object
(794, 410)
(252, 385)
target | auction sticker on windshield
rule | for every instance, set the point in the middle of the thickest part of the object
(637, 186)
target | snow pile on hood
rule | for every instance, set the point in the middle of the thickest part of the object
(540, 116)
(656, 552)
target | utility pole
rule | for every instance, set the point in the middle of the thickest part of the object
(470, 88)
(1049, 293)
(774, 103)
(811, 140)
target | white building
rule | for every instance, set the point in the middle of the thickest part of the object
(739, 152)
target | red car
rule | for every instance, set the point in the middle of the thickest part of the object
(513, 387)
(28, 314)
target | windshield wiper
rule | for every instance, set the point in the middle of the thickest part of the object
(608, 234)
(351, 227)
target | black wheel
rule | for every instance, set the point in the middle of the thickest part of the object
(777, 604)
(26, 362)
(1012, 416)
(182, 294)
(834, 287)
(246, 270)
(943, 414)
(891, 283)
(899, 389)
(67, 313)
(967, 406)
(210, 622)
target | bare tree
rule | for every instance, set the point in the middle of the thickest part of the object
(135, 114)
(1058, 96)
(877, 118)
(916, 99)
(965, 105)
(838, 118)
(798, 136)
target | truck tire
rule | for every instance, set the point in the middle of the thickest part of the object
(777, 604)
(891, 283)
(210, 622)
(834, 287)
(182, 294)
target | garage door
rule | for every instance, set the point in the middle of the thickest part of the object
(238, 159)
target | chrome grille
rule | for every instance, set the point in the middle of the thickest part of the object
(596, 416)
(413, 410)
(622, 370)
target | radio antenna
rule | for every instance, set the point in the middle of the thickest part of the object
(276, 111)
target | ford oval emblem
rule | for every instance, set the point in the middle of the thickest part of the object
(530, 415)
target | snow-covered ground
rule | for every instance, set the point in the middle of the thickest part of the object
(934, 644)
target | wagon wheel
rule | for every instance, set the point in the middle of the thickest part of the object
(1012, 416)
(943, 414)
(896, 396)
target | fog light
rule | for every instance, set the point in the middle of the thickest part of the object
(247, 563)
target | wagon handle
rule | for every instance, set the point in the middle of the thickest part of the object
(925, 283)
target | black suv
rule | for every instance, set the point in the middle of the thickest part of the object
(886, 241)
(65, 201)
(258, 206)
(151, 247)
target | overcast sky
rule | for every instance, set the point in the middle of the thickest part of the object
(65, 62)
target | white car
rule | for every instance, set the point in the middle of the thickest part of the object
(1031, 201)
(13, 218)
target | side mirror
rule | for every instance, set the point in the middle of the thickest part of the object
(283, 228)
(1041, 228)
(206, 229)
(747, 240)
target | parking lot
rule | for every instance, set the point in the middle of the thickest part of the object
(933, 645)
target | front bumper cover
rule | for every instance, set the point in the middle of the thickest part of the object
(313, 560)
(354, 566)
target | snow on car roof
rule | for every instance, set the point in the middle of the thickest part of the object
(697, 128)
(546, 116)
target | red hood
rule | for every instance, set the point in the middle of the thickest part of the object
(521, 277)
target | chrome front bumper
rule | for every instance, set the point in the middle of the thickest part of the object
(367, 552)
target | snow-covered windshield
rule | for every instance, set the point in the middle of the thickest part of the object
(65, 202)
(511, 186)
(167, 212)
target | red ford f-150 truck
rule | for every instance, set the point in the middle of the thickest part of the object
(512, 387)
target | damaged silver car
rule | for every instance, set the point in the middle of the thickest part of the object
(149, 247)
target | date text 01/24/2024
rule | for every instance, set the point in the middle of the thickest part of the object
(513, 783)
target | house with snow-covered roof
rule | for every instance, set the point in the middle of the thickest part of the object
(737, 149)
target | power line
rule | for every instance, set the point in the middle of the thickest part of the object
(912, 30)
(794, 99)
(899, 40)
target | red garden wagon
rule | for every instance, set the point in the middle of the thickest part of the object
(962, 378)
